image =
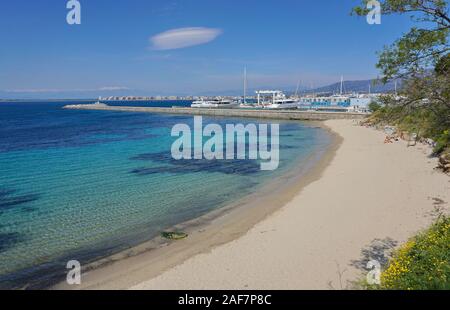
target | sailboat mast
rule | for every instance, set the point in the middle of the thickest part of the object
(298, 86)
(245, 85)
(342, 84)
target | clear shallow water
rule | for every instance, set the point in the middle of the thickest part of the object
(86, 184)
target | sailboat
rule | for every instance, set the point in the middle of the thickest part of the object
(244, 103)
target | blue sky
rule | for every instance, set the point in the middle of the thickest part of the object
(112, 51)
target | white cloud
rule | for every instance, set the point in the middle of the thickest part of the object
(184, 37)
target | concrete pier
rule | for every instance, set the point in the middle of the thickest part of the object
(266, 114)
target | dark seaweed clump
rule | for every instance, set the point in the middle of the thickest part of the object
(236, 166)
(9, 240)
(9, 200)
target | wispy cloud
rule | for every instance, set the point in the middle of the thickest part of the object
(184, 37)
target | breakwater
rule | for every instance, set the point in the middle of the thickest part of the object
(269, 114)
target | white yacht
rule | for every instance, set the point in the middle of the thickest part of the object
(275, 99)
(218, 103)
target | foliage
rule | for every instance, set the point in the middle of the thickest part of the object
(374, 106)
(421, 58)
(418, 119)
(442, 142)
(423, 262)
(420, 48)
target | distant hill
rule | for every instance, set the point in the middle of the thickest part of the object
(361, 86)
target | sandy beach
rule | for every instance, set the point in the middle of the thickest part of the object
(363, 200)
(371, 197)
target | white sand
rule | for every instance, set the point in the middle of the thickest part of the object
(371, 190)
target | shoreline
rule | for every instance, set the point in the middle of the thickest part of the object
(376, 197)
(218, 227)
(371, 198)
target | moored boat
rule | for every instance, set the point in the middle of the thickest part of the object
(276, 100)
(218, 103)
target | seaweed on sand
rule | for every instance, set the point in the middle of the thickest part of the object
(172, 235)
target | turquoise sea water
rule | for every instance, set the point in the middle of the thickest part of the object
(86, 184)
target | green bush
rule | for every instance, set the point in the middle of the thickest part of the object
(423, 263)
(373, 106)
(442, 142)
(421, 121)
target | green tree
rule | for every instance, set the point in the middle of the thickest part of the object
(423, 46)
(421, 58)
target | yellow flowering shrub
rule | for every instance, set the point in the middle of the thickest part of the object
(421, 263)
